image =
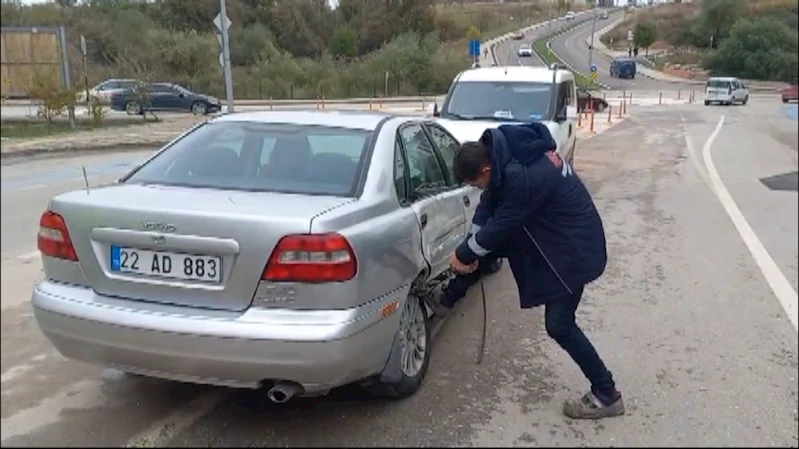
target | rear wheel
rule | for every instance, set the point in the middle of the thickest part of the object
(132, 108)
(707, 103)
(412, 349)
(746, 100)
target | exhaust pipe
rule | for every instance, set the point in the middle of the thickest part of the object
(283, 391)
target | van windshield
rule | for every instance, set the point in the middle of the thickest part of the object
(718, 84)
(498, 100)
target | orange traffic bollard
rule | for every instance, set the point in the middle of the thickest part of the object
(270, 103)
(610, 114)
(370, 103)
(621, 106)
(660, 98)
(591, 128)
(381, 102)
(323, 101)
(679, 92)
(580, 119)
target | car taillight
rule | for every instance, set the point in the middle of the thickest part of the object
(54, 238)
(311, 258)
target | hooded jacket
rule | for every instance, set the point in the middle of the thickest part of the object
(538, 213)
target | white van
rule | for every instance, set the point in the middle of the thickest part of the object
(726, 90)
(492, 96)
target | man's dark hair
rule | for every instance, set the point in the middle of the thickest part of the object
(470, 158)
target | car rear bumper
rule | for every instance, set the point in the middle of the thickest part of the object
(721, 98)
(318, 349)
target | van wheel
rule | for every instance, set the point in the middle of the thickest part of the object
(746, 100)
(707, 103)
(410, 354)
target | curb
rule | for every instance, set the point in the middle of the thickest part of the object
(45, 153)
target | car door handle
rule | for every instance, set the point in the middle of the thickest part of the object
(423, 220)
(466, 201)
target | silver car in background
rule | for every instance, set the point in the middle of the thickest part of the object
(287, 250)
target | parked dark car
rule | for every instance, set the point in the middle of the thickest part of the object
(163, 97)
(586, 101)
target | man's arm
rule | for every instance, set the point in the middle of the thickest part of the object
(519, 202)
(482, 213)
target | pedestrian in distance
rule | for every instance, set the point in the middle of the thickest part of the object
(536, 212)
(629, 52)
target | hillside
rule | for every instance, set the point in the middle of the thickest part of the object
(281, 48)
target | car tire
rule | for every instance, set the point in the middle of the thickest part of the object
(746, 100)
(707, 103)
(403, 381)
(199, 108)
(133, 108)
(784, 100)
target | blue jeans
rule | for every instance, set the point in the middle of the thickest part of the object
(459, 285)
(561, 326)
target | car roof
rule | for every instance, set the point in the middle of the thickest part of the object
(722, 78)
(514, 74)
(364, 120)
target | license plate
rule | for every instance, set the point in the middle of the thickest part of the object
(166, 264)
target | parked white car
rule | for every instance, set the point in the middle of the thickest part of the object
(570, 15)
(492, 96)
(103, 91)
(727, 90)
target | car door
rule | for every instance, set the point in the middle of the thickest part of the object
(426, 181)
(565, 134)
(467, 196)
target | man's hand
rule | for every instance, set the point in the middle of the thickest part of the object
(460, 267)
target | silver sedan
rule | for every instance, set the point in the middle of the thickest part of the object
(283, 250)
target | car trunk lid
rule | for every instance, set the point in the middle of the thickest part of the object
(216, 243)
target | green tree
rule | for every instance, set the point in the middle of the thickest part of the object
(717, 19)
(763, 49)
(344, 42)
(645, 35)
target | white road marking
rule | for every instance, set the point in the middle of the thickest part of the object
(28, 256)
(689, 145)
(782, 289)
(164, 430)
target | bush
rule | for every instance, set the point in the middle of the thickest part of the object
(763, 49)
(54, 99)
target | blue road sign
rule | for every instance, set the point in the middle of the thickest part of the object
(593, 67)
(474, 47)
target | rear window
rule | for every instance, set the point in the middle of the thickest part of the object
(718, 84)
(289, 158)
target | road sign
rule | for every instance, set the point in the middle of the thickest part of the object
(82, 45)
(630, 35)
(218, 22)
(593, 76)
(593, 68)
(474, 47)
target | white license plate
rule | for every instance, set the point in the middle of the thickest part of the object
(166, 264)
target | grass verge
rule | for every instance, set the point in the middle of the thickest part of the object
(549, 57)
(30, 129)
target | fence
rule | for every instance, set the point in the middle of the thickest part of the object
(30, 52)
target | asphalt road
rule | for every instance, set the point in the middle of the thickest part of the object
(685, 315)
(571, 47)
(507, 51)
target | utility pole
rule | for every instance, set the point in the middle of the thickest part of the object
(591, 47)
(224, 24)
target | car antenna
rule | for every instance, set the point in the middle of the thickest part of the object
(85, 179)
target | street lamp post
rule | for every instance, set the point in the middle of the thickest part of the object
(591, 46)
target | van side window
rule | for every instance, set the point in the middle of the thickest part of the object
(566, 95)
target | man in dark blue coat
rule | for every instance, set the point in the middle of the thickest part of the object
(535, 211)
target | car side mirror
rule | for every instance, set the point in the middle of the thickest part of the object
(571, 113)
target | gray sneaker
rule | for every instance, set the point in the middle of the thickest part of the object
(590, 407)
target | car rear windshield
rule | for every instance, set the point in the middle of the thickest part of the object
(718, 84)
(290, 158)
(503, 100)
